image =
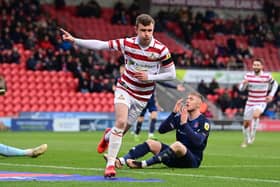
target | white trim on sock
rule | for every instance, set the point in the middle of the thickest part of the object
(144, 164)
(122, 160)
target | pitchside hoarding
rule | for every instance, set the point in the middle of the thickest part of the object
(66, 125)
(32, 124)
(222, 77)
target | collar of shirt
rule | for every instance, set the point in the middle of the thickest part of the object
(261, 73)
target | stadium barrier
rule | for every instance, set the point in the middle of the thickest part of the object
(85, 121)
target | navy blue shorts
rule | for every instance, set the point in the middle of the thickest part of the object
(151, 106)
(187, 161)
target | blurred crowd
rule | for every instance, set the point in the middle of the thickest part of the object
(22, 22)
(255, 31)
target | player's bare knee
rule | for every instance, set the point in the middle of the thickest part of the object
(121, 123)
(246, 123)
(178, 148)
(256, 115)
(155, 146)
(154, 115)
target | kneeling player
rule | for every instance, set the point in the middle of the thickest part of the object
(192, 131)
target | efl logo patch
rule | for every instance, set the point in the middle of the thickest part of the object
(167, 56)
(206, 126)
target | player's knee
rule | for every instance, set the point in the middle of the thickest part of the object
(155, 146)
(246, 123)
(178, 148)
(121, 123)
(140, 119)
(256, 115)
(154, 115)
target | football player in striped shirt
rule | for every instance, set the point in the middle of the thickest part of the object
(261, 90)
(146, 60)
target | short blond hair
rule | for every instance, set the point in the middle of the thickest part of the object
(198, 95)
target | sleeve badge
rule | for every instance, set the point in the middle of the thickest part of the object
(206, 126)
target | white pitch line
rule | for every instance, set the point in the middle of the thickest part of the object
(240, 166)
(244, 156)
(275, 181)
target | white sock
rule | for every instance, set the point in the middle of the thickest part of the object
(255, 124)
(246, 133)
(122, 160)
(144, 163)
(115, 142)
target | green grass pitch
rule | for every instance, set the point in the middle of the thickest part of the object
(225, 163)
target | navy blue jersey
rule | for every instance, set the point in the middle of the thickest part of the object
(193, 134)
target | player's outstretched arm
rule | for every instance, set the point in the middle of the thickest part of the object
(89, 44)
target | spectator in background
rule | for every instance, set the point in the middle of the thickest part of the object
(244, 51)
(224, 100)
(134, 11)
(231, 46)
(59, 4)
(94, 84)
(213, 86)
(271, 111)
(83, 83)
(237, 104)
(202, 88)
(277, 39)
(120, 15)
(3, 86)
(90, 9)
(210, 15)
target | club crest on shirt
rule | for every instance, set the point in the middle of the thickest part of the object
(196, 125)
(121, 97)
(153, 56)
(130, 62)
(206, 126)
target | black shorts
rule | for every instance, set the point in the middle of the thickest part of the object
(187, 161)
